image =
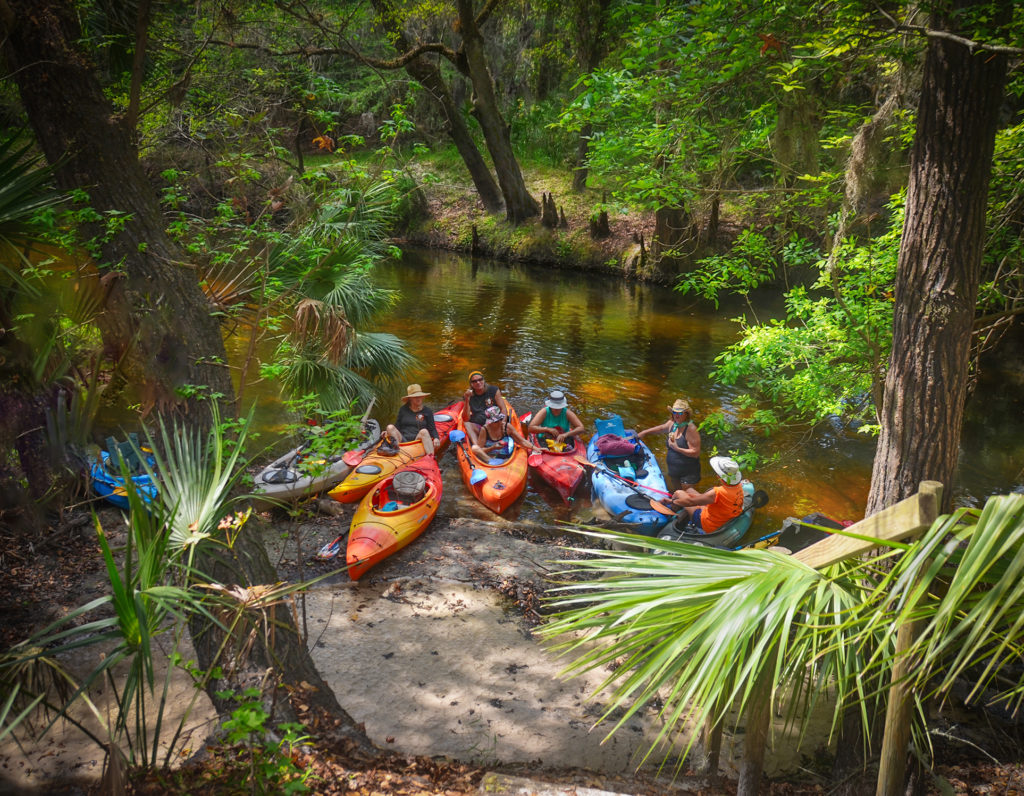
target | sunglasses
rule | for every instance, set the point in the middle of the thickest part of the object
(474, 381)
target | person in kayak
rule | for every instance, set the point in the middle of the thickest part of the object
(497, 439)
(415, 421)
(478, 397)
(556, 422)
(710, 510)
(682, 451)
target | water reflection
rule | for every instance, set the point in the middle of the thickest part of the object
(613, 347)
(632, 349)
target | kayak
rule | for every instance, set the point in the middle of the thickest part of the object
(296, 474)
(625, 485)
(108, 482)
(560, 469)
(379, 462)
(497, 485)
(393, 513)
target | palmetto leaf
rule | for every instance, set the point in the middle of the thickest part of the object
(696, 626)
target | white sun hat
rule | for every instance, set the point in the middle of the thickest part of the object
(727, 469)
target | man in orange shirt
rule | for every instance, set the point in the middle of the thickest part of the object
(710, 510)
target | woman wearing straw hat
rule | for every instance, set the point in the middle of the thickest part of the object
(713, 509)
(415, 421)
(556, 421)
(682, 454)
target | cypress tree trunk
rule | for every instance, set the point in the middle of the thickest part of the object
(428, 75)
(155, 314)
(519, 204)
(938, 270)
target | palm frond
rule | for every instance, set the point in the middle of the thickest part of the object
(695, 626)
(382, 356)
(197, 472)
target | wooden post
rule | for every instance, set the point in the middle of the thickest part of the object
(892, 769)
(758, 723)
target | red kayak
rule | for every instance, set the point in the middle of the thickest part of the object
(560, 468)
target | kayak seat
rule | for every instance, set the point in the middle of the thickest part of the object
(126, 451)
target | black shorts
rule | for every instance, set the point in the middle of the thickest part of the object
(682, 469)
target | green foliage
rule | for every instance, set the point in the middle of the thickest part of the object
(321, 433)
(826, 357)
(267, 761)
(700, 628)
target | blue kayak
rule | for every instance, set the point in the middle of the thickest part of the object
(109, 483)
(622, 484)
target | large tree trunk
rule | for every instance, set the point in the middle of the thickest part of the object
(155, 312)
(429, 76)
(277, 647)
(519, 204)
(155, 308)
(938, 271)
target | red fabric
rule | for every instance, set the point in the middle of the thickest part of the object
(614, 445)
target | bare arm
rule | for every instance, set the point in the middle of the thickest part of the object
(656, 429)
(499, 399)
(535, 422)
(575, 426)
(691, 497)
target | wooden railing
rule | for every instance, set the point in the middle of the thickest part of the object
(900, 522)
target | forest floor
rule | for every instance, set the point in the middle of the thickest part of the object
(435, 652)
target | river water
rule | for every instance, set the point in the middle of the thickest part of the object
(632, 349)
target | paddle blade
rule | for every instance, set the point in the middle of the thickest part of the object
(584, 462)
(330, 550)
(661, 508)
(759, 499)
(534, 459)
(353, 457)
(477, 476)
(456, 435)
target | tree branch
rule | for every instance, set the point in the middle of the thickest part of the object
(380, 63)
(929, 33)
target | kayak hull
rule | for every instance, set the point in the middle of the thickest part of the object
(623, 502)
(112, 488)
(505, 482)
(291, 477)
(377, 533)
(375, 466)
(561, 470)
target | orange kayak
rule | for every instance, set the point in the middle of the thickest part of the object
(560, 468)
(377, 466)
(504, 481)
(394, 513)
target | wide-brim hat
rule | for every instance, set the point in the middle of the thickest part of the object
(680, 406)
(727, 469)
(493, 414)
(556, 400)
(414, 391)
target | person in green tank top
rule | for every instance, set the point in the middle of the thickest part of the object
(555, 422)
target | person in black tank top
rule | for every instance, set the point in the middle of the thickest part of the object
(477, 398)
(682, 445)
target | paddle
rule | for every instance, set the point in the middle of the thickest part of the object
(331, 549)
(354, 456)
(613, 474)
(458, 437)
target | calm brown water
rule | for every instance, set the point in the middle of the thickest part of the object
(631, 349)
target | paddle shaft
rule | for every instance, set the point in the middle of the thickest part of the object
(366, 415)
(624, 480)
